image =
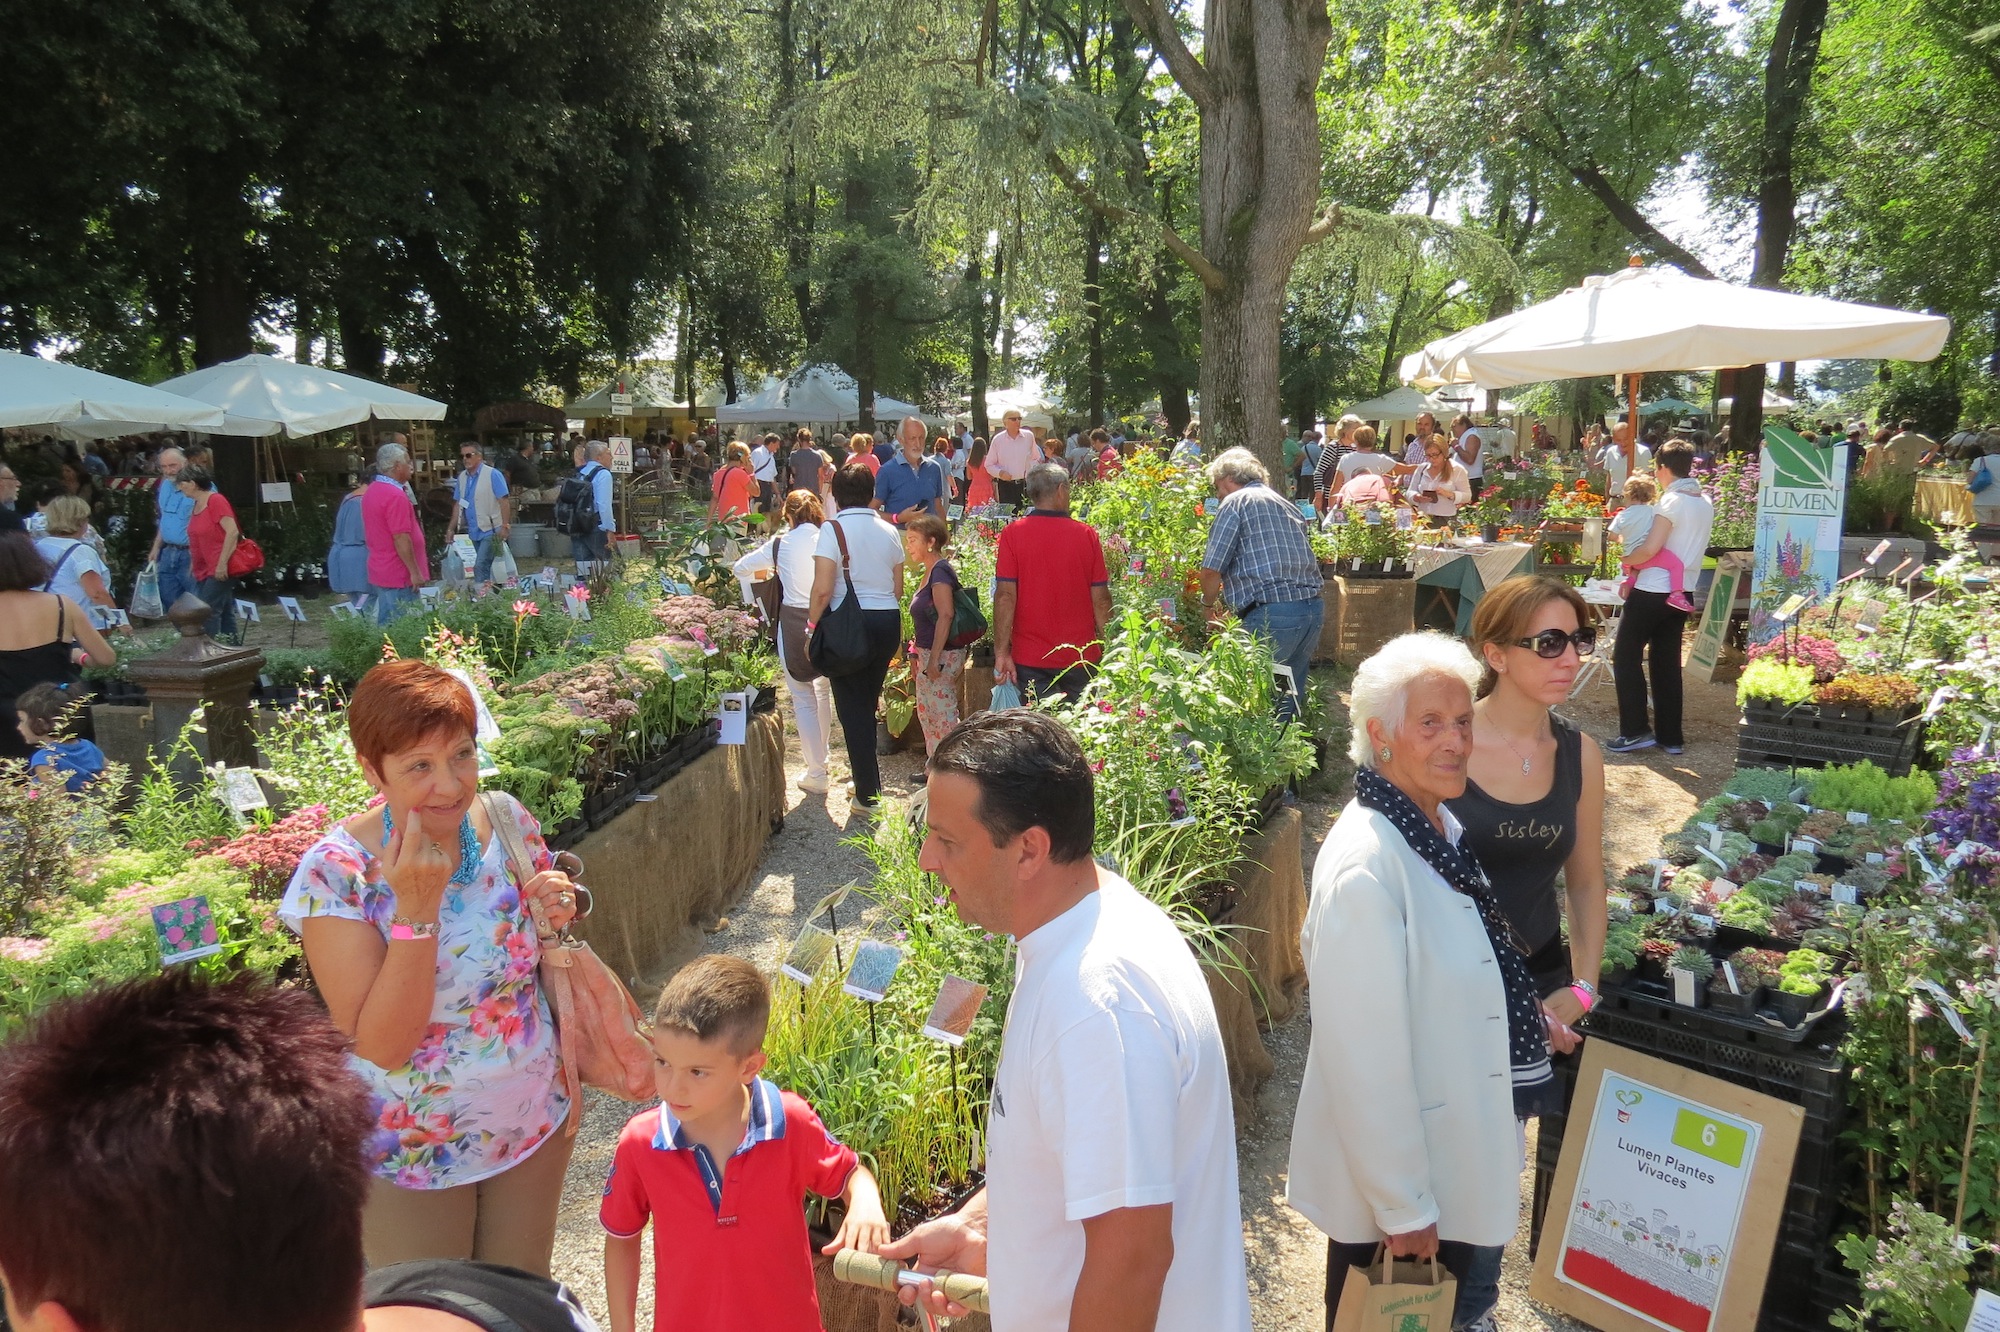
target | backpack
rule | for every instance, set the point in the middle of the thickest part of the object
(576, 504)
(968, 625)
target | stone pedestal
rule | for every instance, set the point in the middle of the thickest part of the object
(198, 672)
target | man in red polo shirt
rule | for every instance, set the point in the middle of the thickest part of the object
(1053, 596)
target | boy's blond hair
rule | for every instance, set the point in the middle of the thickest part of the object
(717, 997)
(1640, 490)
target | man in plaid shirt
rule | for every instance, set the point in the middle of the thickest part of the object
(1260, 566)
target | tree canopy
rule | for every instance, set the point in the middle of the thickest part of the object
(1134, 201)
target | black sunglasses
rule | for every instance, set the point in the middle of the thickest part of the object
(1549, 643)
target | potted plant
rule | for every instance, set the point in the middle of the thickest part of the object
(1621, 951)
(1800, 979)
(1689, 968)
(1653, 955)
(1754, 968)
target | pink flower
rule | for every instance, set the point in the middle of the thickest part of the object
(104, 930)
(580, 592)
(17, 949)
(525, 608)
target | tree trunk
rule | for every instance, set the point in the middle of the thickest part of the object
(362, 348)
(1093, 312)
(1260, 174)
(796, 208)
(729, 391)
(304, 317)
(1788, 70)
(981, 348)
(218, 220)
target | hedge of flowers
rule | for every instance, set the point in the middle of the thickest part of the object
(580, 704)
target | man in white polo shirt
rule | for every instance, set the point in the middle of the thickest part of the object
(1470, 448)
(1651, 628)
(1008, 458)
(1110, 1202)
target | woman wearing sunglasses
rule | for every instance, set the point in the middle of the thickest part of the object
(1533, 806)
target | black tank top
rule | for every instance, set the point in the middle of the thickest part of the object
(22, 669)
(1523, 847)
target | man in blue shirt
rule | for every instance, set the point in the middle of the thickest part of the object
(1259, 565)
(910, 483)
(169, 557)
(593, 459)
(483, 508)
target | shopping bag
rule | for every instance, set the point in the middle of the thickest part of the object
(1407, 1296)
(505, 571)
(1005, 696)
(146, 595)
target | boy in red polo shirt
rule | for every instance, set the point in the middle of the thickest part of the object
(722, 1166)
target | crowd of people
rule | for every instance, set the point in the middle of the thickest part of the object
(413, 1126)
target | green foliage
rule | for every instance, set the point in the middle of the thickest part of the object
(1865, 787)
(169, 819)
(1775, 680)
(1916, 1279)
(44, 830)
(1695, 961)
(308, 755)
(1805, 971)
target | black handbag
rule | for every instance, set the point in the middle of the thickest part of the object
(839, 644)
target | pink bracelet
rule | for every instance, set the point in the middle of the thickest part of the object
(1584, 997)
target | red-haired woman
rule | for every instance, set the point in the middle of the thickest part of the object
(423, 946)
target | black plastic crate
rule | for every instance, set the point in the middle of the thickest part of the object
(1769, 737)
(1801, 1290)
(1634, 1002)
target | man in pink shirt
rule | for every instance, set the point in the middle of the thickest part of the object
(1008, 458)
(397, 561)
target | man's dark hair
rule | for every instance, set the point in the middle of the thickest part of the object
(22, 568)
(178, 1154)
(718, 997)
(1100, 436)
(1031, 773)
(853, 486)
(1676, 456)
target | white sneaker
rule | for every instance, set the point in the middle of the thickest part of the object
(814, 783)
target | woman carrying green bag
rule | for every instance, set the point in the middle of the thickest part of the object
(936, 655)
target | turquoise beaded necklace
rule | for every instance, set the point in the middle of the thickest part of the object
(468, 847)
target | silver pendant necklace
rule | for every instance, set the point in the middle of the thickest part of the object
(1527, 764)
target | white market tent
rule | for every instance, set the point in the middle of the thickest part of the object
(1644, 320)
(39, 392)
(1395, 414)
(651, 396)
(300, 399)
(810, 394)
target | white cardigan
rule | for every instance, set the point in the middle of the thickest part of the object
(1406, 1114)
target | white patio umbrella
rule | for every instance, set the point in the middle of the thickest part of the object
(39, 392)
(1399, 404)
(811, 393)
(1659, 319)
(302, 399)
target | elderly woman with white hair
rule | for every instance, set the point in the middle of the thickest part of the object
(1260, 567)
(1326, 478)
(1429, 1046)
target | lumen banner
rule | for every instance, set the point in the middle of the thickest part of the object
(1801, 500)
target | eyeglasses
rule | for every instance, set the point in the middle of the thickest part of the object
(1549, 643)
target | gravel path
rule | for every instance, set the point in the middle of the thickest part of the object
(1648, 794)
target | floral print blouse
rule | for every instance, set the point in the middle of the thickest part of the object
(483, 1089)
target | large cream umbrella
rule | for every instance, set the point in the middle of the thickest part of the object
(303, 399)
(1659, 319)
(39, 392)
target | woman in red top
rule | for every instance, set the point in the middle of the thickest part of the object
(978, 481)
(732, 484)
(212, 537)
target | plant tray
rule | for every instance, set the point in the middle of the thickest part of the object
(1637, 999)
(1775, 736)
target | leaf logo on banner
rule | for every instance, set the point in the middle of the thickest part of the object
(1628, 1098)
(1794, 463)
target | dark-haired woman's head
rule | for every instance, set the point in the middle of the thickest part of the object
(22, 568)
(853, 486)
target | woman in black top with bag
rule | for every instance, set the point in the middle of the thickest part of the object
(1533, 806)
(44, 638)
(934, 664)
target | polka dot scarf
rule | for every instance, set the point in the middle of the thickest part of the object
(1535, 1089)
